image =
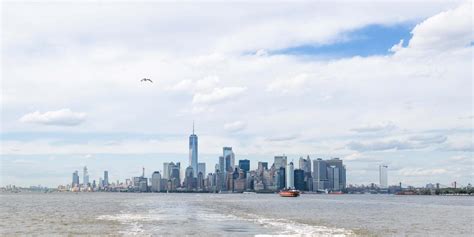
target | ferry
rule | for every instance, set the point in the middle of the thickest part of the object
(289, 193)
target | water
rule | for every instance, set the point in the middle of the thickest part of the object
(234, 214)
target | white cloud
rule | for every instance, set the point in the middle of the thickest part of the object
(450, 29)
(218, 95)
(62, 117)
(421, 172)
(295, 83)
(235, 126)
(384, 127)
(382, 146)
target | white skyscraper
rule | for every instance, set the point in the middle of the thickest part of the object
(290, 175)
(85, 176)
(383, 176)
(166, 170)
(193, 152)
(156, 181)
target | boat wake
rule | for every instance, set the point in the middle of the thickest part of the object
(292, 228)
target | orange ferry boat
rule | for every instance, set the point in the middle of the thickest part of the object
(289, 193)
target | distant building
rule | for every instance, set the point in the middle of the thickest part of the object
(333, 178)
(244, 165)
(189, 179)
(281, 178)
(106, 178)
(85, 178)
(201, 168)
(305, 164)
(290, 176)
(229, 159)
(319, 174)
(75, 179)
(174, 175)
(200, 181)
(221, 164)
(299, 179)
(193, 152)
(383, 176)
(166, 170)
(336, 162)
(156, 182)
(262, 166)
(280, 161)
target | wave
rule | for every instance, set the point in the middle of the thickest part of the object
(292, 228)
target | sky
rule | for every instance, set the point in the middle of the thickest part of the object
(370, 82)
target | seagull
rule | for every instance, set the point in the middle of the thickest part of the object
(146, 79)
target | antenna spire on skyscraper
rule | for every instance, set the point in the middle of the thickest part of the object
(193, 126)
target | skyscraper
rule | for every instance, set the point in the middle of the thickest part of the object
(156, 181)
(244, 165)
(193, 152)
(299, 179)
(229, 159)
(75, 179)
(319, 174)
(305, 164)
(333, 177)
(341, 170)
(383, 176)
(106, 178)
(221, 164)
(290, 174)
(202, 168)
(262, 166)
(85, 178)
(280, 161)
(166, 170)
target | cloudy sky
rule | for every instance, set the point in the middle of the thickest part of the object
(369, 82)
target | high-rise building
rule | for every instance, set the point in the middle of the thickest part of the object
(85, 178)
(75, 179)
(383, 176)
(281, 178)
(262, 166)
(319, 174)
(202, 168)
(305, 164)
(106, 178)
(174, 174)
(166, 170)
(229, 159)
(244, 165)
(280, 161)
(189, 178)
(342, 171)
(156, 181)
(299, 179)
(221, 164)
(290, 181)
(333, 177)
(193, 152)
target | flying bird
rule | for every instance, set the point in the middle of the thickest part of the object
(146, 79)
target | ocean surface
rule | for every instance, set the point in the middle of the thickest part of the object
(147, 214)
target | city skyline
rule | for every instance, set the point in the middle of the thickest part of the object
(371, 83)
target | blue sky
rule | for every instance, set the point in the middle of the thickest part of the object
(367, 41)
(324, 79)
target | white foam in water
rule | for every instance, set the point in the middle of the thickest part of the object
(133, 220)
(291, 228)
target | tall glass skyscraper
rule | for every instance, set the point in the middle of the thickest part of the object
(383, 177)
(193, 152)
(229, 159)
